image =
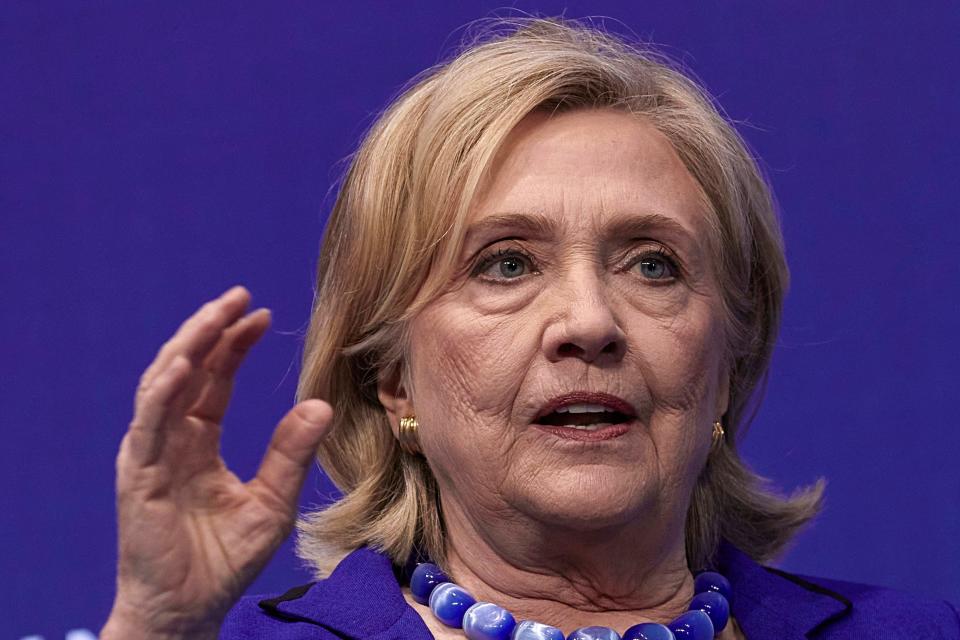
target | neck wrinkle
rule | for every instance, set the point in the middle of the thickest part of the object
(599, 578)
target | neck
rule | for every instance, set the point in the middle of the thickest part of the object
(616, 576)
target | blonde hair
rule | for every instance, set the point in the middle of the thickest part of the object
(395, 231)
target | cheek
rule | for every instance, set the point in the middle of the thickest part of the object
(681, 364)
(681, 369)
(467, 369)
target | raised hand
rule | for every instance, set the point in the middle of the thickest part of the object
(192, 535)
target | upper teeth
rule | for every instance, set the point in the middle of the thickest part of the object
(583, 408)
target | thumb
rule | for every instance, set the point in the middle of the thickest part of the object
(292, 448)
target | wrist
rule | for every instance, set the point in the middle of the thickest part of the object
(126, 622)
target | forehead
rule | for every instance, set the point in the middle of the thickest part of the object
(587, 169)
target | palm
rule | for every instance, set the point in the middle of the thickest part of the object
(193, 527)
(192, 535)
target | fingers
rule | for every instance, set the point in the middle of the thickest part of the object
(291, 450)
(146, 436)
(198, 334)
(222, 364)
(178, 378)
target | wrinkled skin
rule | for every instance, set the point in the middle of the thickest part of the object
(557, 528)
(566, 532)
(192, 535)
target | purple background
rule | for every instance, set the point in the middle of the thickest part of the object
(154, 153)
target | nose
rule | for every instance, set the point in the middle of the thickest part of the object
(586, 328)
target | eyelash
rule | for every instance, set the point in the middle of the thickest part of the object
(490, 258)
(662, 253)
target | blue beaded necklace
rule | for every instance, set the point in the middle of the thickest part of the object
(452, 605)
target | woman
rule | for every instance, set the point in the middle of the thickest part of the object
(548, 290)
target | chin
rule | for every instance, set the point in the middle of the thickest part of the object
(587, 500)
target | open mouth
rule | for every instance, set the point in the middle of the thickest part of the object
(586, 416)
(583, 418)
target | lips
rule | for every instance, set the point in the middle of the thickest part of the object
(585, 412)
(612, 403)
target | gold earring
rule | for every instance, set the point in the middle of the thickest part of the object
(407, 435)
(718, 434)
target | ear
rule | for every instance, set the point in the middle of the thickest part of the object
(394, 397)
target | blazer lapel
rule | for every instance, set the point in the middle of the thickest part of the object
(769, 603)
(360, 600)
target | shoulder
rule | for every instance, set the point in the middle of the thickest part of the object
(360, 599)
(887, 613)
(261, 616)
(772, 603)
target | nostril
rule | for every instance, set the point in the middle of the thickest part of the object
(570, 349)
(573, 350)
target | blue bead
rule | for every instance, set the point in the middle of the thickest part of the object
(449, 602)
(692, 625)
(715, 606)
(485, 621)
(648, 631)
(424, 578)
(594, 633)
(713, 581)
(529, 630)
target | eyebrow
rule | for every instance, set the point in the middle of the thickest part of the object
(532, 223)
(622, 225)
(633, 225)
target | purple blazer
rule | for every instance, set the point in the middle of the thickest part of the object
(362, 599)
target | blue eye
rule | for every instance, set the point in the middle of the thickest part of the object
(505, 264)
(657, 266)
(653, 268)
(511, 267)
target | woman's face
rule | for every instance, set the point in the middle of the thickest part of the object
(572, 372)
